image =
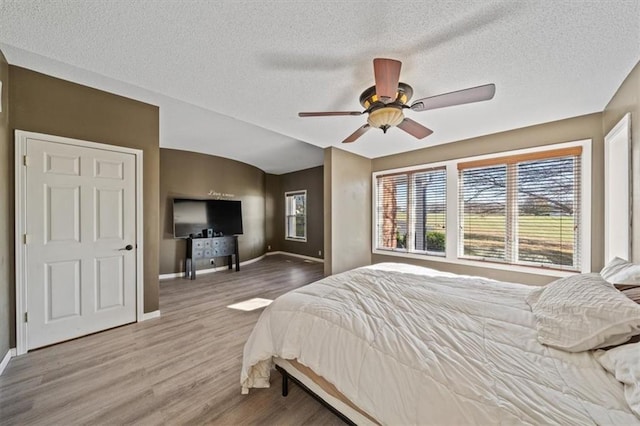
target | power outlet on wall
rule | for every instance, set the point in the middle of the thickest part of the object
(268, 247)
(319, 252)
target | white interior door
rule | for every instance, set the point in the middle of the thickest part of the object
(80, 224)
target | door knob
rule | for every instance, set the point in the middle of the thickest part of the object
(127, 247)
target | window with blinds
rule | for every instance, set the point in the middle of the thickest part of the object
(296, 215)
(522, 209)
(411, 211)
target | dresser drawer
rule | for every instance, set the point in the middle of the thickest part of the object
(199, 249)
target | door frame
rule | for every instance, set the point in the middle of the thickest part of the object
(612, 194)
(21, 137)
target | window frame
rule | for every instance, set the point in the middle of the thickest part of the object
(411, 210)
(453, 215)
(288, 194)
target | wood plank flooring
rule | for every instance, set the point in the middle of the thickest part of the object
(181, 368)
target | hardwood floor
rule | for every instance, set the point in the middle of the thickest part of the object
(181, 368)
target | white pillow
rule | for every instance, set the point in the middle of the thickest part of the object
(583, 312)
(624, 363)
(619, 271)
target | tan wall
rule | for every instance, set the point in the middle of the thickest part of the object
(627, 99)
(271, 230)
(572, 129)
(7, 313)
(349, 215)
(44, 104)
(186, 174)
(311, 180)
(327, 208)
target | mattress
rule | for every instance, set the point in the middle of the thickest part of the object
(410, 345)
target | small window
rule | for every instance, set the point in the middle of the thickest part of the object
(296, 215)
(411, 211)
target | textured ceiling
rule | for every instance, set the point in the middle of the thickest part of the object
(230, 76)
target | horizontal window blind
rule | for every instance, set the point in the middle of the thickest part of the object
(430, 210)
(411, 211)
(521, 158)
(483, 212)
(392, 203)
(548, 211)
(524, 210)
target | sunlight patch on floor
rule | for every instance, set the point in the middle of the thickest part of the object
(251, 304)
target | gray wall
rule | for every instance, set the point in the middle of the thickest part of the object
(311, 180)
(186, 174)
(7, 317)
(347, 219)
(627, 99)
(578, 128)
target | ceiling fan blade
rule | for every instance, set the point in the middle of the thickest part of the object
(355, 135)
(414, 128)
(387, 75)
(465, 96)
(328, 113)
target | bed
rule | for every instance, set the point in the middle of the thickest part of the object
(400, 344)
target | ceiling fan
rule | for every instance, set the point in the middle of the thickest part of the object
(385, 102)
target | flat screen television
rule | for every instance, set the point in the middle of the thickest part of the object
(192, 216)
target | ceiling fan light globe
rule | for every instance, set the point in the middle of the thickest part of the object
(385, 117)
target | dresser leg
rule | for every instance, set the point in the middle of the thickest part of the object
(236, 253)
(187, 268)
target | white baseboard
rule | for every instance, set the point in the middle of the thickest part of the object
(246, 262)
(150, 315)
(250, 261)
(301, 256)
(5, 361)
(209, 270)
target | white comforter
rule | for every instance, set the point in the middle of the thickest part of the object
(424, 347)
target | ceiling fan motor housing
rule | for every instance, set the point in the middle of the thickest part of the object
(369, 99)
(385, 115)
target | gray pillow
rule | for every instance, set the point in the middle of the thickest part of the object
(632, 293)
